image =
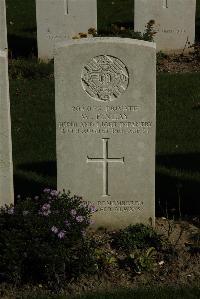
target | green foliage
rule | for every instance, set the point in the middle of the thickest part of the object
(141, 260)
(105, 258)
(160, 56)
(117, 30)
(149, 31)
(194, 244)
(196, 50)
(43, 239)
(135, 237)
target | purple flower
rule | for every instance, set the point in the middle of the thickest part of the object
(45, 210)
(11, 211)
(46, 207)
(46, 190)
(36, 197)
(92, 208)
(61, 234)
(46, 213)
(73, 212)
(25, 213)
(79, 219)
(54, 229)
(54, 193)
(66, 222)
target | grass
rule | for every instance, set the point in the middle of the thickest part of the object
(198, 20)
(33, 126)
(178, 113)
(21, 22)
(156, 293)
(178, 148)
(140, 293)
(33, 115)
(120, 11)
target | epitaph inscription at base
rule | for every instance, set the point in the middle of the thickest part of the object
(105, 114)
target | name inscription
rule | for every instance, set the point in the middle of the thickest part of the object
(105, 120)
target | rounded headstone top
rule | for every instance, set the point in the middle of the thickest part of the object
(111, 40)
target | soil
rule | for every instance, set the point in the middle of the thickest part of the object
(181, 63)
(182, 268)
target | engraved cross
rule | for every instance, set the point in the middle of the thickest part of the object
(105, 161)
(66, 7)
(165, 3)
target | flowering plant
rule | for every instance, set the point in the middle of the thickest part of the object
(44, 238)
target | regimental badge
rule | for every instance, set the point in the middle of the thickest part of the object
(105, 78)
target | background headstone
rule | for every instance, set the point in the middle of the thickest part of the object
(174, 22)
(6, 168)
(105, 114)
(58, 20)
(3, 26)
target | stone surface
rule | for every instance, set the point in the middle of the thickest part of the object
(6, 168)
(174, 22)
(3, 26)
(105, 114)
(59, 20)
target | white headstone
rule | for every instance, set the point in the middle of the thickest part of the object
(6, 168)
(105, 115)
(59, 20)
(3, 26)
(174, 22)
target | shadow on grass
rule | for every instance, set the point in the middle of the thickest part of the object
(45, 168)
(147, 293)
(176, 195)
(197, 34)
(31, 179)
(178, 184)
(138, 293)
(22, 46)
(188, 162)
(26, 187)
(198, 21)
